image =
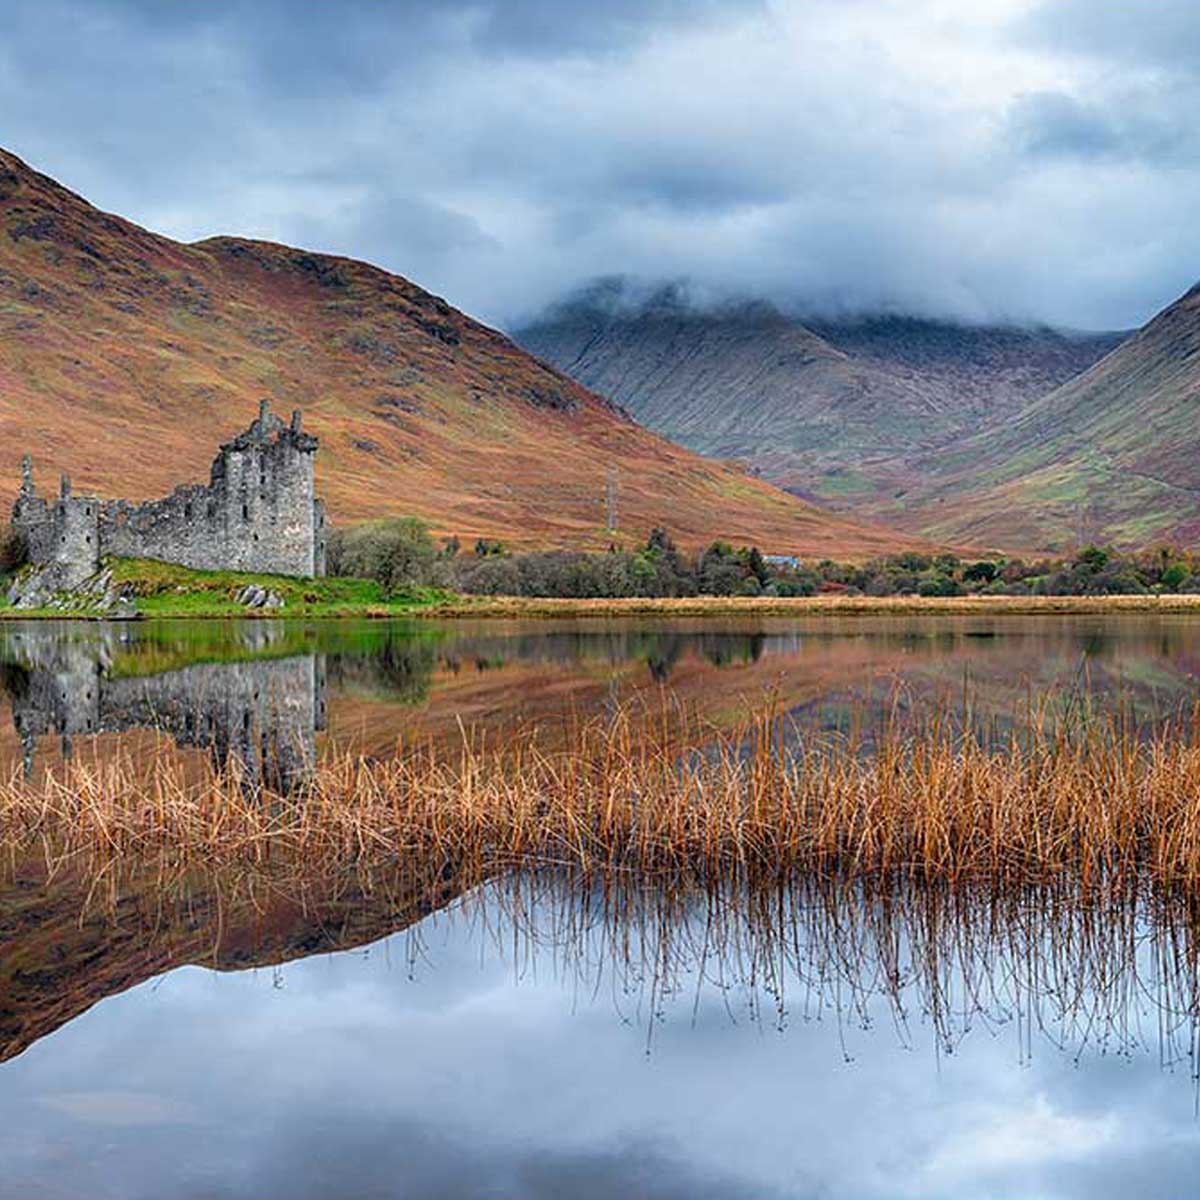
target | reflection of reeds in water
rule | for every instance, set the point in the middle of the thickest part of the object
(932, 800)
(1117, 973)
(1118, 976)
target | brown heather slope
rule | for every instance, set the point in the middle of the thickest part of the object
(1112, 456)
(837, 409)
(125, 357)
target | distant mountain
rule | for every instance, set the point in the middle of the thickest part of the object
(125, 357)
(743, 382)
(1113, 455)
(975, 372)
(843, 410)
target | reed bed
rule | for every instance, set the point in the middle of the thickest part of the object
(1105, 973)
(660, 794)
(799, 606)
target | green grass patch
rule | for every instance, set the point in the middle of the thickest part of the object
(844, 484)
(167, 590)
(169, 645)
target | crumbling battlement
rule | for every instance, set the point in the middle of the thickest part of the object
(259, 512)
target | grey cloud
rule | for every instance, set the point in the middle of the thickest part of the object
(554, 26)
(500, 152)
(1053, 123)
(418, 233)
(360, 37)
(1132, 128)
(694, 179)
(1157, 34)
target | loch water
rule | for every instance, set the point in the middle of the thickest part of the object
(429, 1036)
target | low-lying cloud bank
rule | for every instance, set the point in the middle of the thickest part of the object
(1012, 159)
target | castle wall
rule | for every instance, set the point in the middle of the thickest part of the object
(258, 513)
(31, 515)
(63, 536)
(76, 550)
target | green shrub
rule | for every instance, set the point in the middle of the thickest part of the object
(980, 572)
(938, 584)
(1174, 576)
(398, 554)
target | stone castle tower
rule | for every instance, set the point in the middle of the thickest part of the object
(259, 512)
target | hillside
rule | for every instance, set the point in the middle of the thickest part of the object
(125, 357)
(836, 409)
(1113, 455)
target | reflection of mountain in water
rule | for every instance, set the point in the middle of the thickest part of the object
(261, 714)
(71, 943)
(1119, 978)
(257, 692)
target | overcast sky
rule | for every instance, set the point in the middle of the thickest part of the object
(1027, 159)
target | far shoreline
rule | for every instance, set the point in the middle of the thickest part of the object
(827, 605)
(711, 607)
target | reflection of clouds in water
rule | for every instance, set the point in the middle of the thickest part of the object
(421, 1160)
(997, 1139)
(434, 1067)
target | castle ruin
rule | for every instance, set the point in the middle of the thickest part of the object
(259, 512)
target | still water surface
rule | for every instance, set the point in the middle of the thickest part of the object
(301, 687)
(219, 1038)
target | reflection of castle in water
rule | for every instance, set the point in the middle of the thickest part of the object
(260, 715)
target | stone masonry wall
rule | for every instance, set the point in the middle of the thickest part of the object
(63, 536)
(259, 513)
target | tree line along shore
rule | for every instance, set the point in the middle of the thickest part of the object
(396, 567)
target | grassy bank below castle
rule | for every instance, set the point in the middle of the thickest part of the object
(164, 590)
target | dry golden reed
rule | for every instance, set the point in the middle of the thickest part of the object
(800, 606)
(660, 794)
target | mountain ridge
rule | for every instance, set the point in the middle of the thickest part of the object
(1111, 455)
(126, 356)
(857, 412)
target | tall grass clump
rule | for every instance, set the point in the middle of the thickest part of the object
(1103, 803)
